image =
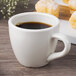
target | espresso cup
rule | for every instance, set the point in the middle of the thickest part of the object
(36, 48)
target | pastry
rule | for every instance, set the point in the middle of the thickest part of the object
(47, 6)
(64, 12)
(53, 8)
(71, 11)
(41, 7)
(65, 1)
(72, 20)
(72, 4)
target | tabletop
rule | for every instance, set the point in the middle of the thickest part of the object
(9, 66)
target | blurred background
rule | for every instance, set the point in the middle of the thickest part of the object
(12, 7)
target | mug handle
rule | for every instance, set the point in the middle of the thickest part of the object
(66, 49)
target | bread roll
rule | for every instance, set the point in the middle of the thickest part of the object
(53, 8)
(65, 1)
(72, 20)
(41, 7)
(72, 4)
(71, 11)
(47, 6)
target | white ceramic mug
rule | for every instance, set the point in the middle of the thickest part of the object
(35, 48)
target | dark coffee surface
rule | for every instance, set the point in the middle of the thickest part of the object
(33, 25)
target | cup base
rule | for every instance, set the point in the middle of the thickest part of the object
(34, 66)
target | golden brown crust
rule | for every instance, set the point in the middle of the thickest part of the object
(72, 20)
(72, 11)
(65, 1)
(72, 4)
(47, 6)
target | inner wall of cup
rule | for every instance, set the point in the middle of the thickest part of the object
(48, 19)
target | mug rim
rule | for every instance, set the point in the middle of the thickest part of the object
(32, 30)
